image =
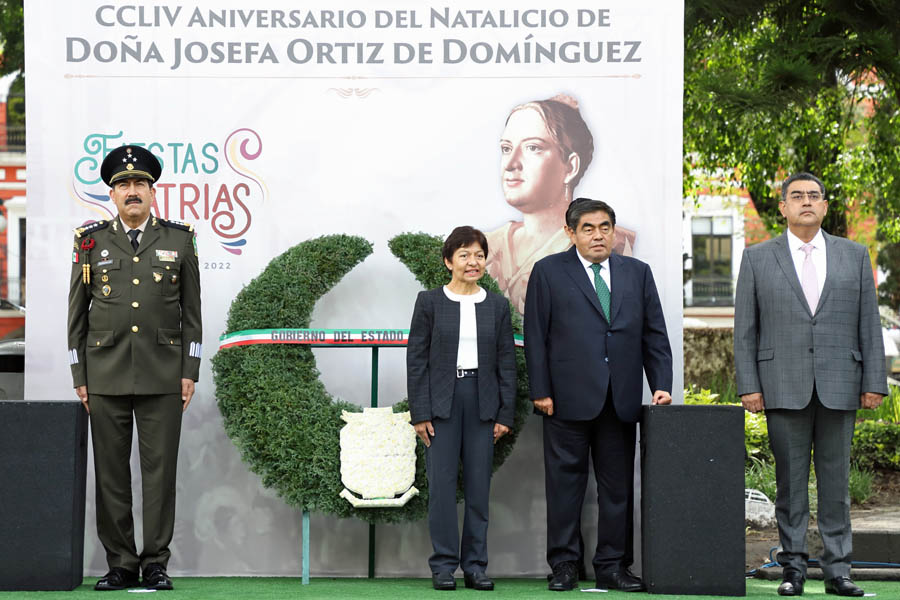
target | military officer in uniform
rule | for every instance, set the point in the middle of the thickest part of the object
(134, 347)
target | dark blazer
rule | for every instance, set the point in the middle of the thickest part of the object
(574, 355)
(781, 347)
(431, 357)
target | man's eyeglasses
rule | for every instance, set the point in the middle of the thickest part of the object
(798, 196)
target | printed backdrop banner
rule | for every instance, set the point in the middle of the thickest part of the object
(277, 123)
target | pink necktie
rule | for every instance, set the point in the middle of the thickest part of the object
(808, 279)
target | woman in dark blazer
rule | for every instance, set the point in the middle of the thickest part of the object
(461, 381)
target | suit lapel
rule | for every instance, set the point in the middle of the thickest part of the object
(575, 270)
(484, 326)
(786, 262)
(449, 319)
(617, 268)
(120, 239)
(833, 260)
(150, 235)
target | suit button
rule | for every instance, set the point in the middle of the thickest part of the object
(814, 322)
(810, 350)
(605, 359)
(135, 281)
(135, 304)
(136, 259)
(608, 334)
(134, 328)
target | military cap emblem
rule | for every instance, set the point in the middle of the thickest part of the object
(126, 162)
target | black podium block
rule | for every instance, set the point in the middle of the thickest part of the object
(692, 499)
(43, 462)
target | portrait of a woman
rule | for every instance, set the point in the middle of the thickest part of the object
(545, 149)
(461, 382)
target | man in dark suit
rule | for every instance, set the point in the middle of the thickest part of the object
(593, 321)
(134, 347)
(808, 349)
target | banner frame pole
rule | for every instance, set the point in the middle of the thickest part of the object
(304, 549)
(374, 404)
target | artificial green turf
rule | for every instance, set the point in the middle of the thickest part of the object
(272, 588)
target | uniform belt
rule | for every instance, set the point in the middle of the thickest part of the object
(460, 373)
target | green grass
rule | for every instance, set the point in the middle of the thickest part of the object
(860, 484)
(760, 475)
(271, 588)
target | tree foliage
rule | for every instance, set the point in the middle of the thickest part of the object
(774, 87)
(12, 37)
(12, 57)
(889, 290)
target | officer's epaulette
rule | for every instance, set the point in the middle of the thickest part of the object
(91, 228)
(177, 224)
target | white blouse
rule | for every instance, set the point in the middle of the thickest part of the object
(467, 354)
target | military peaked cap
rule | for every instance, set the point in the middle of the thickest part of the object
(127, 162)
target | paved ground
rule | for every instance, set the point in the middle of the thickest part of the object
(876, 539)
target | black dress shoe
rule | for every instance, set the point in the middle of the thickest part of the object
(622, 580)
(842, 586)
(156, 578)
(117, 579)
(791, 584)
(443, 581)
(565, 577)
(479, 581)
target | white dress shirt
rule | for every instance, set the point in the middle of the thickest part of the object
(140, 228)
(604, 272)
(818, 256)
(467, 354)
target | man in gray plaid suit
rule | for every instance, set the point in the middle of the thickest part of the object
(808, 349)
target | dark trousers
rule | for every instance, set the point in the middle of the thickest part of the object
(158, 419)
(792, 435)
(567, 447)
(463, 436)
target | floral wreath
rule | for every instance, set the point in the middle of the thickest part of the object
(277, 411)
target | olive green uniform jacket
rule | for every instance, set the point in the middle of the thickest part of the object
(134, 327)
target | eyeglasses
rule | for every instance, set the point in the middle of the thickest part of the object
(798, 196)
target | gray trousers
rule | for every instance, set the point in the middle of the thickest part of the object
(158, 419)
(792, 435)
(462, 436)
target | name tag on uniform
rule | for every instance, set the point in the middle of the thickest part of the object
(103, 263)
(167, 255)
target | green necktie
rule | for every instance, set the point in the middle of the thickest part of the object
(601, 289)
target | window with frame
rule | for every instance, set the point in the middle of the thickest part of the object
(711, 251)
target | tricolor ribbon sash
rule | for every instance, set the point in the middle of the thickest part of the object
(322, 337)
